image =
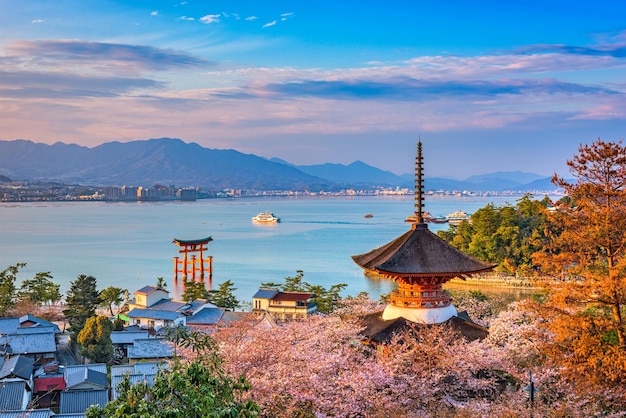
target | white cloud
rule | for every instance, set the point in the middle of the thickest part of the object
(154, 13)
(208, 19)
(251, 18)
(37, 21)
(187, 18)
(286, 15)
(272, 23)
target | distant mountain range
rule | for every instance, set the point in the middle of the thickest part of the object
(171, 161)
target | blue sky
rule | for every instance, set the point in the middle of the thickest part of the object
(487, 85)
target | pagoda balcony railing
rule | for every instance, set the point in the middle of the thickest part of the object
(432, 299)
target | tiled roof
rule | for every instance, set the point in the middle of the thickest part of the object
(265, 294)
(169, 305)
(419, 252)
(292, 296)
(17, 366)
(206, 316)
(86, 376)
(99, 367)
(150, 348)
(37, 329)
(31, 413)
(148, 289)
(12, 394)
(127, 337)
(137, 368)
(39, 322)
(153, 314)
(9, 325)
(30, 343)
(73, 401)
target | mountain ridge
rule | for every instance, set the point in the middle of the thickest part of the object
(173, 161)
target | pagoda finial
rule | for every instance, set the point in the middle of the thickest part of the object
(419, 188)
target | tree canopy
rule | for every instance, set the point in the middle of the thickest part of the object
(112, 296)
(41, 289)
(585, 251)
(507, 235)
(7, 287)
(81, 301)
(95, 339)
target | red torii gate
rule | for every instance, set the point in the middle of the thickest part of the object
(194, 265)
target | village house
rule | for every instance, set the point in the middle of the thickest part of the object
(86, 385)
(284, 305)
(29, 336)
(16, 383)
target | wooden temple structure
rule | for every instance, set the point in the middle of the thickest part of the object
(194, 266)
(420, 262)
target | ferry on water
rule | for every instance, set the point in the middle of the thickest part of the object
(455, 218)
(265, 218)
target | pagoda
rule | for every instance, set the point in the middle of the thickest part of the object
(420, 262)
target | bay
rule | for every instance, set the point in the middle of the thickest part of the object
(129, 245)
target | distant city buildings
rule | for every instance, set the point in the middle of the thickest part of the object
(48, 191)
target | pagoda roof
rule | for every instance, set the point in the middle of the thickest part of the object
(420, 253)
(192, 241)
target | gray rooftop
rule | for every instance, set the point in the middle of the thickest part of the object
(78, 401)
(150, 348)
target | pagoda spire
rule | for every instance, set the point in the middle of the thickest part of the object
(419, 188)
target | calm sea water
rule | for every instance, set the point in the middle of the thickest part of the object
(129, 245)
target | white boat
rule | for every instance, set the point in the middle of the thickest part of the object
(265, 218)
(455, 218)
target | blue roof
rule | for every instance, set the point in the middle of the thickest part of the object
(206, 316)
(150, 348)
(31, 413)
(30, 343)
(149, 289)
(91, 377)
(168, 305)
(17, 366)
(12, 394)
(70, 369)
(73, 401)
(265, 294)
(9, 325)
(153, 314)
(40, 322)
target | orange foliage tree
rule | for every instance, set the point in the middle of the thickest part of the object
(585, 251)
